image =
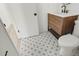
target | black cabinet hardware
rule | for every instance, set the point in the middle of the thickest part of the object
(6, 53)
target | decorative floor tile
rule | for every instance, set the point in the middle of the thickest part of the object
(44, 44)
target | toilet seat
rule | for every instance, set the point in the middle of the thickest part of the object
(68, 41)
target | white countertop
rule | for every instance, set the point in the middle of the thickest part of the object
(64, 14)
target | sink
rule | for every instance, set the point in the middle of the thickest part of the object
(64, 14)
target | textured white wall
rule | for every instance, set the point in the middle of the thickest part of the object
(43, 9)
(23, 19)
(4, 15)
(74, 8)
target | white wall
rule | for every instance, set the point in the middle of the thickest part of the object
(17, 16)
(4, 15)
(23, 19)
(45, 8)
(74, 8)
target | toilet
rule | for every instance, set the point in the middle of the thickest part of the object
(68, 43)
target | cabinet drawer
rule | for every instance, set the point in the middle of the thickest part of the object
(55, 24)
(55, 17)
(56, 28)
(55, 20)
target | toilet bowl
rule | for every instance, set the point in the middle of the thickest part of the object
(68, 45)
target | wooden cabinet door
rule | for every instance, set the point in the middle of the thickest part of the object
(68, 24)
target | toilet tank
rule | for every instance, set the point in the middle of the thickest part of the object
(76, 28)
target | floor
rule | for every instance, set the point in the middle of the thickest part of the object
(44, 44)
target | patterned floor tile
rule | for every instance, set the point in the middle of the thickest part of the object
(44, 44)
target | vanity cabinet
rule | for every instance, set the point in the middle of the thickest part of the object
(61, 25)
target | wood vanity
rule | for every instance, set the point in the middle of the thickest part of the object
(60, 25)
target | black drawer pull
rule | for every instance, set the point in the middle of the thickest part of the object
(6, 53)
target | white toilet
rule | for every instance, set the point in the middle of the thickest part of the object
(69, 43)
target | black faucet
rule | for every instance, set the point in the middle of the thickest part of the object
(64, 8)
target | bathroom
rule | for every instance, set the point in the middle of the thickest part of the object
(27, 25)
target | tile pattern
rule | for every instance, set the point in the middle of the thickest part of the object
(44, 44)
